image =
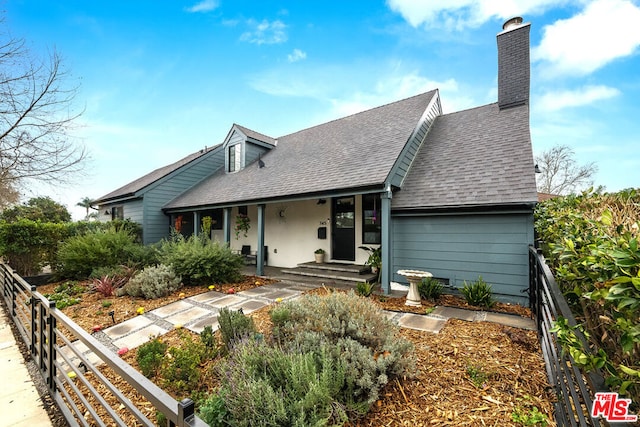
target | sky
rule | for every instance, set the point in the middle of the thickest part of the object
(160, 79)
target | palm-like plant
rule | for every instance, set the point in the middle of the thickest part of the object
(86, 203)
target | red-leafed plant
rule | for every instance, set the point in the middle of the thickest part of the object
(107, 285)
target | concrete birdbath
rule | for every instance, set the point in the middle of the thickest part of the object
(414, 277)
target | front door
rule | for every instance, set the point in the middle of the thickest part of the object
(343, 236)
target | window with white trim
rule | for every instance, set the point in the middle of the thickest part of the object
(234, 158)
(371, 223)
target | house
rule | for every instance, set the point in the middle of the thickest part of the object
(452, 194)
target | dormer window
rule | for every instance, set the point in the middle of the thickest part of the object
(234, 159)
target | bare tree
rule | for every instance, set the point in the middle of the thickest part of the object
(35, 118)
(560, 173)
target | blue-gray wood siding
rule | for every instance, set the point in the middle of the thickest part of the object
(156, 224)
(133, 210)
(463, 247)
(252, 152)
(404, 161)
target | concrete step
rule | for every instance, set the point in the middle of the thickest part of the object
(315, 282)
(335, 266)
(324, 275)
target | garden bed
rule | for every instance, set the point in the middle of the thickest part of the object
(471, 373)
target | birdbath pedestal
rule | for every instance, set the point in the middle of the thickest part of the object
(414, 277)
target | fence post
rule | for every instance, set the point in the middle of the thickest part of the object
(536, 267)
(51, 349)
(33, 301)
(186, 410)
(14, 297)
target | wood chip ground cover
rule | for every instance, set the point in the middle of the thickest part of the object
(471, 373)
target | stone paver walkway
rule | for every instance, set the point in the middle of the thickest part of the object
(197, 312)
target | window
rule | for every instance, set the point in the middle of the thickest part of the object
(216, 218)
(371, 219)
(234, 158)
(117, 212)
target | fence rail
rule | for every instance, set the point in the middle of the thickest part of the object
(76, 366)
(574, 389)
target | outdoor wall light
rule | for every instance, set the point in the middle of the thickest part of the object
(107, 212)
(537, 169)
(321, 201)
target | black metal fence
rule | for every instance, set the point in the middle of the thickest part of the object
(575, 389)
(74, 365)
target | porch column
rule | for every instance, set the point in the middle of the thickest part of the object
(385, 241)
(196, 224)
(226, 225)
(260, 251)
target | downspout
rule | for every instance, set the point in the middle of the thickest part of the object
(385, 240)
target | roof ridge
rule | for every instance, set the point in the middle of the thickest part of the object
(470, 109)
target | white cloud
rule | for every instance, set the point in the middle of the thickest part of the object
(461, 14)
(204, 6)
(603, 32)
(265, 32)
(296, 55)
(555, 101)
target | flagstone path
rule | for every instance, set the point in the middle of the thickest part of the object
(197, 312)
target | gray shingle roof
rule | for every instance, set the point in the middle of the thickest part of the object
(475, 157)
(354, 151)
(133, 187)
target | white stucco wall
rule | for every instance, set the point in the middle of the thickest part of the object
(293, 238)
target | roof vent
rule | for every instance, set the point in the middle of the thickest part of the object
(511, 23)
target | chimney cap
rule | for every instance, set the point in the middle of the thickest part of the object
(513, 22)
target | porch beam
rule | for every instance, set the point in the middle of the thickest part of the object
(226, 227)
(260, 251)
(385, 241)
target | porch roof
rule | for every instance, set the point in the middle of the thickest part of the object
(353, 152)
(477, 157)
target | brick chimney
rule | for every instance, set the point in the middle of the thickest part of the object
(513, 64)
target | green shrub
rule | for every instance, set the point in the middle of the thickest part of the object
(268, 386)
(208, 340)
(478, 293)
(79, 255)
(150, 356)
(120, 271)
(234, 326)
(180, 370)
(590, 242)
(27, 245)
(430, 288)
(213, 410)
(355, 331)
(200, 261)
(66, 294)
(153, 282)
